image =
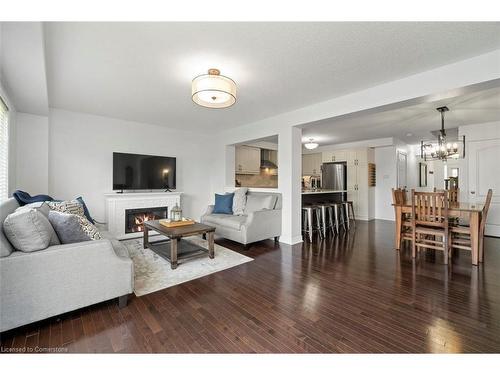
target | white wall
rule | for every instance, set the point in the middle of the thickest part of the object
(80, 157)
(385, 160)
(12, 136)
(32, 153)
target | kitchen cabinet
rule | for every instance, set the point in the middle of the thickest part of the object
(311, 164)
(333, 156)
(358, 189)
(247, 160)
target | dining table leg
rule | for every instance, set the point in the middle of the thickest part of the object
(474, 236)
(399, 218)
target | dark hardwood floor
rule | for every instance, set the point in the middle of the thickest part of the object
(350, 294)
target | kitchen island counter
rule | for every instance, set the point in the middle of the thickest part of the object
(322, 191)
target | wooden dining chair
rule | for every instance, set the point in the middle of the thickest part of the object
(430, 222)
(461, 234)
(399, 199)
(453, 196)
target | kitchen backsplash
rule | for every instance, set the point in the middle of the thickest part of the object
(262, 180)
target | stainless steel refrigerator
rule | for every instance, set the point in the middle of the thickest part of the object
(334, 176)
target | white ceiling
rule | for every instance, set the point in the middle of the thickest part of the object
(143, 71)
(410, 124)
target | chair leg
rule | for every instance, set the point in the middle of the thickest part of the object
(351, 206)
(414, 245)
(323, 220)
(337, 225)
(310, 224)
(122, 301)
(346, 211)
(318, 222)
(330, 219)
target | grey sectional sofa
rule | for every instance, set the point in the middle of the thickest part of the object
(251, 227)
(59, 279)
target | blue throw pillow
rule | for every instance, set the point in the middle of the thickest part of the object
(223, 204)
(85, 210)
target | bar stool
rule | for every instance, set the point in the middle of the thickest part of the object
(308, 224)
(337, 215)
(349, 213)
(326, 222)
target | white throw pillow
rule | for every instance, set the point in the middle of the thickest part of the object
(257, 202)
(28, 230)
(239, 201)
(44, 209)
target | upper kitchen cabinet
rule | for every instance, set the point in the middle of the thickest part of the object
(247, 160)
(311, 164)
(333, 156)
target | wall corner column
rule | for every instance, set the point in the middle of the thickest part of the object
(289, 183)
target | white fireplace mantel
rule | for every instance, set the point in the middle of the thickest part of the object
(117, 203)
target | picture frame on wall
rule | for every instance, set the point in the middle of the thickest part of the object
(422, 174)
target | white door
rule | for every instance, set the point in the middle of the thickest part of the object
(401, 170)
(484, 174)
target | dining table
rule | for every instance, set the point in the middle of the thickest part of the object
(463, 210)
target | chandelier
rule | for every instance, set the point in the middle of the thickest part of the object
(213, 90)
(311, 145)
(443, 148)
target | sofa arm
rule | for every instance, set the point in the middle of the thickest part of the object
(263, 224)
(209, 210)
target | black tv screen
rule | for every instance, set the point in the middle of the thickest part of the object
(135, 172)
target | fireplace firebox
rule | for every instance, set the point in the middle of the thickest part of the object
(134, 218)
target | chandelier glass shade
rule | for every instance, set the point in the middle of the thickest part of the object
(311, 145)
(213, 90)
(443, 148)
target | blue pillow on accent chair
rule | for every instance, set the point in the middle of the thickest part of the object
(223, 204)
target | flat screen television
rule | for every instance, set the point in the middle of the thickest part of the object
(136, 172)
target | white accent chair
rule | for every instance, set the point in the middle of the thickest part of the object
(257, 223)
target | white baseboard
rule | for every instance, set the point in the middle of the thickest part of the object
(290, 240)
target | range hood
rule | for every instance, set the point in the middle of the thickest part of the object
(265, 159)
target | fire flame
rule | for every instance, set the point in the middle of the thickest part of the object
(140, 219)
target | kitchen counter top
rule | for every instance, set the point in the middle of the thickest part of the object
(323, 191)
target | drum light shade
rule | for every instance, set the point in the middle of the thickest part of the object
(213, 90)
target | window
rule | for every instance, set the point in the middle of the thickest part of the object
(4, 151)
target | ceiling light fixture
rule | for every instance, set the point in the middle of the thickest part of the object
(213, 90)
(443, 148)
(311, 145)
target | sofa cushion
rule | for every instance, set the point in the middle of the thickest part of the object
(28, 230)
(259, 202)
(76, 208)
(67, 227)
(6, 208)
(239, 201)
(70, 207)
(230, 221)
(44, 209)
(223, 204)
(85, 209)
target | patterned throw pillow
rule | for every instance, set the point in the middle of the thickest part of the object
(74, 207)
(89, 228)
(69, 207)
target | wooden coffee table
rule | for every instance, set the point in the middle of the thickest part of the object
(175, 248)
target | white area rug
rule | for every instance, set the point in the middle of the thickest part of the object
(153, 273)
